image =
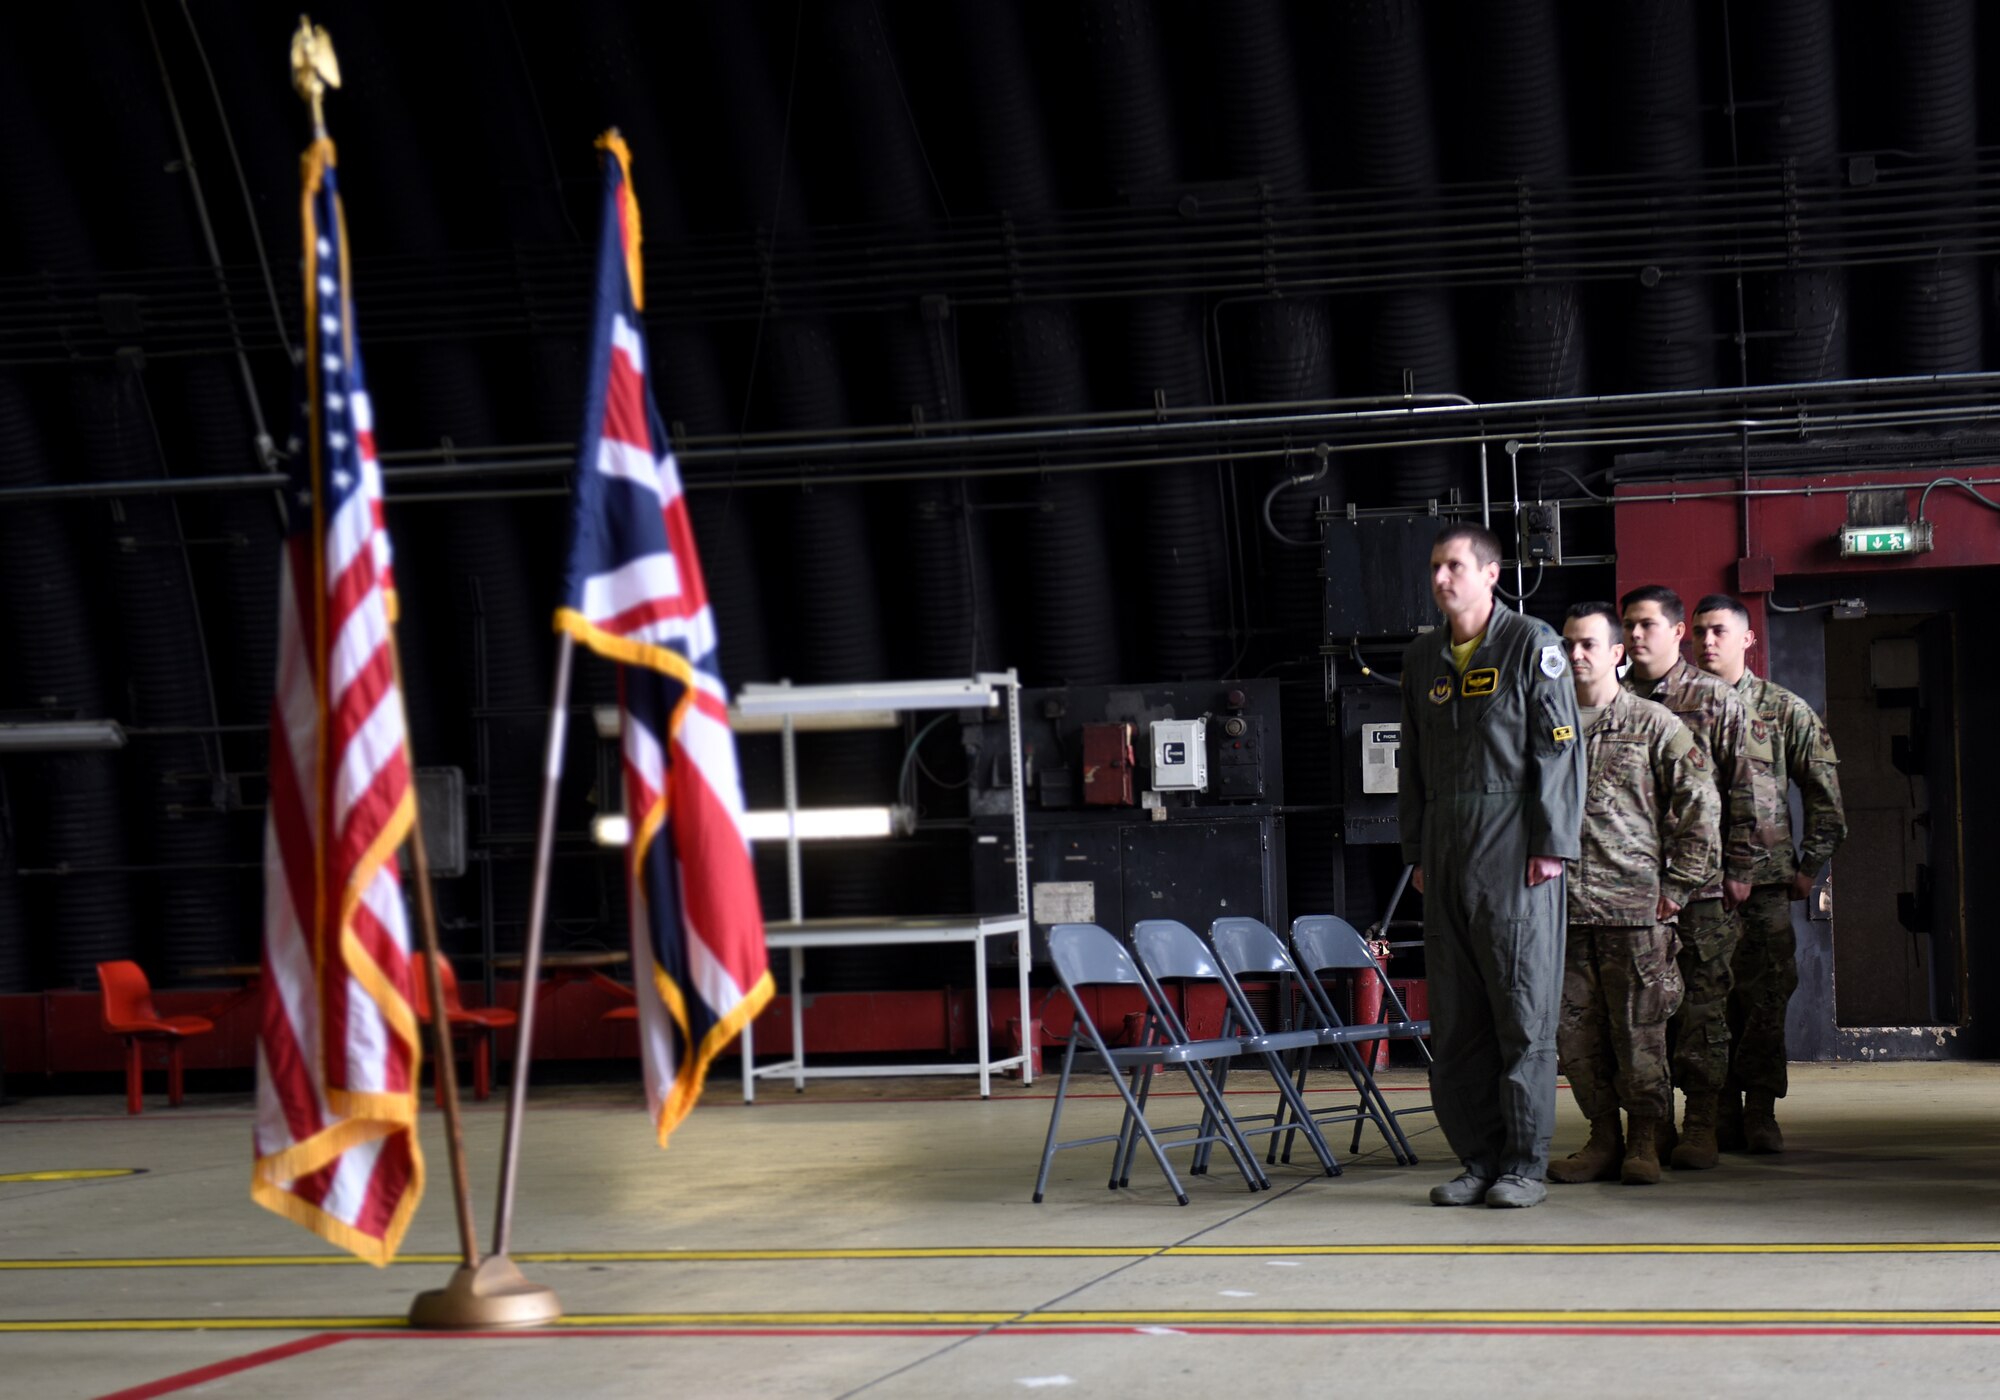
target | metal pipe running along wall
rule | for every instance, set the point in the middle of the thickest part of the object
(1831, 407)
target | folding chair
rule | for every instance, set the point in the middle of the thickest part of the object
(1328, 943)
(1085, 955)
(1170, 951)
(1247, 947)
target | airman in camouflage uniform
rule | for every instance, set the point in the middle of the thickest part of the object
(1651, 838)
(1766, 965)
(1655, 622)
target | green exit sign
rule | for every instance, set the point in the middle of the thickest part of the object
(1911, 537)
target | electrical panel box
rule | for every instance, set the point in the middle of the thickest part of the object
(1378, 576)
(1107, 765)
(1065, 768)
(1239, 756)
(1180, 755)
(1212, 843)
(1371, 730)
(441, 805)
(1541, 533)
(1112, 869)
(1381, 757)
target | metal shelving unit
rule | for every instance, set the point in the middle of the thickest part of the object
(796, 934)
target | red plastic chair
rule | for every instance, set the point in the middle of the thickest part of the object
(627, 1012)
(128, 1011)
(476, 1023)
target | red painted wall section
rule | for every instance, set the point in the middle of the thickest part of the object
(60, 1032)
(1693, 546)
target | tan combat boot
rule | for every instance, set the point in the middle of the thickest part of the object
(1666, 1138)
(1596, 1160)
(1642, 1151)
(1696, 1151)
(1729, 1122)
(1760, 1123)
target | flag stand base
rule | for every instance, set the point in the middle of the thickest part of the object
(495, 1294)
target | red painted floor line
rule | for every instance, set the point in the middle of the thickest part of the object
(270, 1355)
(203, 1374)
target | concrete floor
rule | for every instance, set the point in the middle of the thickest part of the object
(876, 1237)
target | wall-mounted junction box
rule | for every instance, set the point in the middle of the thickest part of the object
(1180, 755)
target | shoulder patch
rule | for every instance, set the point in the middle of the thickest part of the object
(1440, 690)
(1552, 661)
(1760, 731)
(1484, 681)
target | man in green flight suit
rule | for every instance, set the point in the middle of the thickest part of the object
(1489, 808)
(1655, 623)
(1766, 965)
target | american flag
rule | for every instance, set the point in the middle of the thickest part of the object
(633, 593)
(337, 1052)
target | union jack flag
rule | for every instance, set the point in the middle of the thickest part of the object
(337, 1047)
(633, 593)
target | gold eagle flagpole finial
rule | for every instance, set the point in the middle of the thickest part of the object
(314, 69)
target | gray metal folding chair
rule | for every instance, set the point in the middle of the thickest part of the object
(1249, 948)
(1328, 943)
(1170, 951)
(1085, 955)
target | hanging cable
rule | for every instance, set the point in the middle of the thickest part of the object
(266, 445)
(906, 792)
(1775, 606)
(1368, 672)
(770, 261)
(1325, 454)
(242, 182)
(1581, 484)
(1541, 566)
(1965, 486)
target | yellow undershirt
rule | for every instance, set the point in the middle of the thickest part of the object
(1461, 652)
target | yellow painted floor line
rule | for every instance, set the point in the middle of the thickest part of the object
(1161, 1317)
(915, 1252)
(1714, 1317)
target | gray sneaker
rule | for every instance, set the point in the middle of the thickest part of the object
(1468, 1188)
(1516, 1192)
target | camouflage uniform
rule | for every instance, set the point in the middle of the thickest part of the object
(1766, 964)
(1724, 746)
(1650, 827)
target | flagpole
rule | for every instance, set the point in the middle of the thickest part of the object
(492, 1292)
(314, 70)
(531, 965)
(445, 1066)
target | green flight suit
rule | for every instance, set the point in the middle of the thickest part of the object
(1493, 773)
